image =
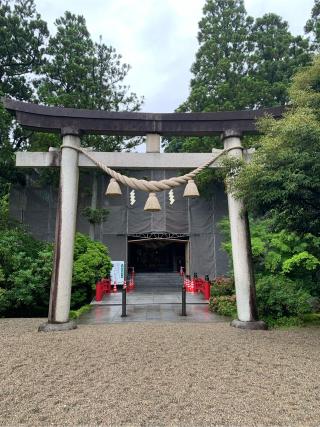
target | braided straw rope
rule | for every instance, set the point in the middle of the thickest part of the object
(142, 184)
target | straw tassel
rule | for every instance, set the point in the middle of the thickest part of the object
(191, 189)
(152, 203)
(113, 188)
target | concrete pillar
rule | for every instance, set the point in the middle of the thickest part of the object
(241, 250)
(61, 281)
(153, 143)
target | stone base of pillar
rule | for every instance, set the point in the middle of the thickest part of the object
(54, 327)
(253, 326)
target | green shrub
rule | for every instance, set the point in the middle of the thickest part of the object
(224, 305)
(283, 322)
(26, 267)
(29, 284)
(287, 271)
(4, 301)
(222, 286)
(91, 263)
(279, 297)
(95, 216)
(283, 253)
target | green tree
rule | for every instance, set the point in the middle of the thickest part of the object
(312, 26)
(22, 34)
(283, 179)
(240, 64)
(220, 65)
(22, 41)
(276, 56)
(82, 74)
(219, 79)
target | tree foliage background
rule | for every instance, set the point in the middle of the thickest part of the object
(65, 69)
(241, 63)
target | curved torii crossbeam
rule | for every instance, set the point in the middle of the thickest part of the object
(72, 123)
(80, 121)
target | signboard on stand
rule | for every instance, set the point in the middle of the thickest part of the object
(117, 272)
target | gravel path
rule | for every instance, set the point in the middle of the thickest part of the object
(158, 374)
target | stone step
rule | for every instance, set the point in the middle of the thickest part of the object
(171, 275)
(161, 281)
(158, 279)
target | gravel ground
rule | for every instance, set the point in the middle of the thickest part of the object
(158, 374)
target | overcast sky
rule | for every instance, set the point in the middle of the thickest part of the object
(158, 38)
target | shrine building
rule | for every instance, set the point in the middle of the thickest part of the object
(184, 233)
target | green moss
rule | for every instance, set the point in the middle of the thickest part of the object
(311, 319)
(74, 314)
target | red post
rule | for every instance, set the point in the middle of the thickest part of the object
(99, 291)
(206, 292)
(188, 284)
(106, 285)
(131, 283)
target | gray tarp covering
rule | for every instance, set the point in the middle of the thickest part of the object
(196, 219)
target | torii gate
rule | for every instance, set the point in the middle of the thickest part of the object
(72, 123)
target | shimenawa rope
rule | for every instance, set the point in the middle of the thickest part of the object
(142, 184)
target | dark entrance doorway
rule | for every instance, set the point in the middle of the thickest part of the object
(157, 255)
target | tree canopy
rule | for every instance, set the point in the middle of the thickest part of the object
(81, 73)
(283, 180)
(241, 63)
(23, 34)
(220, 65)
(65, 69)
(312, 26)
(275, 56)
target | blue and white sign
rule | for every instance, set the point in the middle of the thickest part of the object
(117, 272)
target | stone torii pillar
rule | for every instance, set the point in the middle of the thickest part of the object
(241, 249)
(66, 218)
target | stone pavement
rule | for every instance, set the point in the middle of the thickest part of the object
(153, 295)
(147, 306)
(149, 313)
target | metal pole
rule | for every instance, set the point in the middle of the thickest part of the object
(124, 302)
(184, 302)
